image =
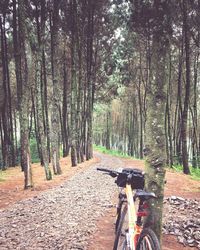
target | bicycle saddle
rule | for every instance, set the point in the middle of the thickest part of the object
(141, 194)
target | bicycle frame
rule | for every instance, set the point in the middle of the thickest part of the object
(133, 229)
(136, 236)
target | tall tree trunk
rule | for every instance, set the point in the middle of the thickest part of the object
(46, 115)
(55, 121)
(36, 127)
(5, 109)
(38, 56)
(65, 109)
(73, 84)
(79, 122)
(40, 117)
(195, 149)
(23, 74)
(90, 34)
(168, 120)
(155, 128)
(8, 103)
(184, 121)
(178, 111)
(140, 111)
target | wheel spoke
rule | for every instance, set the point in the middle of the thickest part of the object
(148, 243)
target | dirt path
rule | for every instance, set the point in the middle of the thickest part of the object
(12, 190)
(62, 217)
(75, 212)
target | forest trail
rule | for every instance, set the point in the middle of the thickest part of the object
(12, 189)
(79, 213)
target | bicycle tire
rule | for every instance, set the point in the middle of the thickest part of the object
(120, 239)
(148, 240)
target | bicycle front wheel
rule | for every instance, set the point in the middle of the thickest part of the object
(122, 229)
(148, 240)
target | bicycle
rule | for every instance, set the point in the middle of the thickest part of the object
(129, 231)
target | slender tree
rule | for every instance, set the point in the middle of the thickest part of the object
(55, 121)
(24, 66)
(184, 117)
(38, 56)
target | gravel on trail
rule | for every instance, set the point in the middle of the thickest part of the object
(63, 217)
(182, 220)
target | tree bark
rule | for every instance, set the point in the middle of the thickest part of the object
(155, 127)
(23, 64)
(38, 58)
(65, 109)
(184, 121)
(73, 84)
(55, 121)
(89, 111)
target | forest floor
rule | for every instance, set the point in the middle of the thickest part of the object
(97, 232)
(12, 180)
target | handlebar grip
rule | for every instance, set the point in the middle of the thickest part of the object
(108, 171)
(104, 170)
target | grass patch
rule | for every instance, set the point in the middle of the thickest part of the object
(195, 172)
(112, 152)
(35, 160)
(34, 151)
(2, 176)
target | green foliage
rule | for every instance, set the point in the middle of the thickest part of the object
(178, 168)
(195, 172)
(2, 175)
(112, 152)
(34, 150)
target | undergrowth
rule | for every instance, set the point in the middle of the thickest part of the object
(113, 152)
(34, 151)
(195, 172)
(2, 176)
